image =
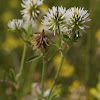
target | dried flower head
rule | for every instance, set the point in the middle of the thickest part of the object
(15, 24)
(55, 17)
(41, 41)
(31, 10)
(76, 18)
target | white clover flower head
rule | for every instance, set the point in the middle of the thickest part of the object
(15, 24)
(36, 91)
(31, 11)
(46, 93)
(76, 18)
(55, 17)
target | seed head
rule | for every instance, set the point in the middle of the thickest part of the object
(41, 41)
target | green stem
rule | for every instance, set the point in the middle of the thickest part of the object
(42, 84)
(62, 58)
(19, 75)
(60, 44)
(22, 61)
(67, 50)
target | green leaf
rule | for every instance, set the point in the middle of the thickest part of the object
(33, 58)
(11, 75)
(24, 31)
(37, 33)
(28, 42)
(53, 95)
(53, 43)
(17, 77)
(66, 36)
(11, 71)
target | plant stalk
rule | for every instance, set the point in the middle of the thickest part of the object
(42, 84)
(60, 42)
(22, 61)
(19, 75)
(62, 58)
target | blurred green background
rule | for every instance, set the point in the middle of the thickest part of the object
(80, 73)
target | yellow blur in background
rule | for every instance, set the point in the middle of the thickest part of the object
(67, 69)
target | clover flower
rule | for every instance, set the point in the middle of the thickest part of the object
(76, 18)
(41, 41)
(15, 24)
(36, 91)
(54, 18)
(31, 11)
